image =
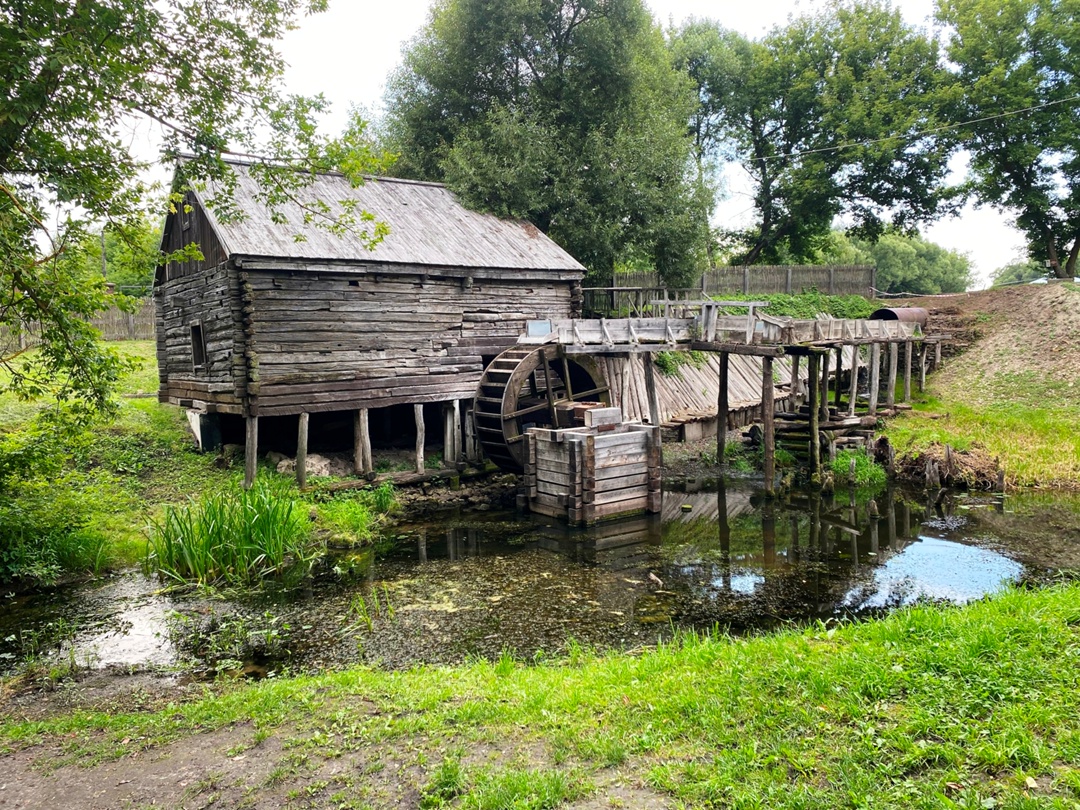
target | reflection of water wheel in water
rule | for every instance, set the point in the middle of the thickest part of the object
(522, 388)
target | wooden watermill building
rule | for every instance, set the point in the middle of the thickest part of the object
(286, 322)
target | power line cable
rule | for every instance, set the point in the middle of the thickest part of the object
(932, 131)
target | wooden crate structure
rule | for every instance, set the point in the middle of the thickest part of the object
(589, 474)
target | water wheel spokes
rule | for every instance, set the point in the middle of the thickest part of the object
(526, 387)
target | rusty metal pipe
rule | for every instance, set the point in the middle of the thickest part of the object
(907, 314)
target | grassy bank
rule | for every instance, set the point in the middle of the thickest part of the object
(1014, 393)
(930, 707)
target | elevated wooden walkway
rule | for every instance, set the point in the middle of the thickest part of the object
(764, 340)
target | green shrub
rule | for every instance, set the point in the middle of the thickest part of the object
(868, 473)
(236, 537)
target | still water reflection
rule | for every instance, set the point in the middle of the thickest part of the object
(477, 585)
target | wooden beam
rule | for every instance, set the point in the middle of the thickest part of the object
(722, 409)
(890, 391)
(301, 450)
(907, 370)
(459, 445)
(853, 386)
(922, 368)
(251, 451)
(815, 436)
(729, 348)
(875, 376)
(418, 413)
(767, 406)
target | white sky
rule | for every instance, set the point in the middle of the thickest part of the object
(347, 53)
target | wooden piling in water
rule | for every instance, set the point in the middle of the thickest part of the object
(722, 409)
(875, 376)
(815, 433)
(769, 438)
(890, 391)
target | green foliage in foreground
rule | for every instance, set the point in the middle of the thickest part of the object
(929, 707)
(809, 304)
(858, 468)
(235, 537)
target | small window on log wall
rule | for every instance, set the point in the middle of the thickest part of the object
(198, 346)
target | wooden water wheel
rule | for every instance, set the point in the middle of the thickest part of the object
(524, 387)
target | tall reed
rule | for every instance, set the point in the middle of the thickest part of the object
(236, 537)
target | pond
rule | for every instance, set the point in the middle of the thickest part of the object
(481, 584)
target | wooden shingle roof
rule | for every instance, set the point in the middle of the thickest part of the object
(428, 226)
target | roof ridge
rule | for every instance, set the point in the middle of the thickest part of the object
(237, 160)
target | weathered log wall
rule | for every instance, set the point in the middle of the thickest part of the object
(338, 341)
(211, 300)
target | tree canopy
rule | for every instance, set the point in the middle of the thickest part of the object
(567, 113)
(76, 76)
(1016, 80)
(825, 116)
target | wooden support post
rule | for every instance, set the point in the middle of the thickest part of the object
(815, 437)
(875, 376)
(722, 409)
(937, 355)
(251, 451)
(907, 370)
(839, 372)
(301, 450)
(362, 463)
(794, 395)
(624, 385)
(459, 445)
(853, 386)
(922, 368)
(890, 391)
(449, 455)
(767, 406)
(418, 412)
(650, 390)
(824, 396)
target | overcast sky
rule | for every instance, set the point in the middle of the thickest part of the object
(348, 52)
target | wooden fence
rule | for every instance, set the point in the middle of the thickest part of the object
(112, 323)
(633, 291)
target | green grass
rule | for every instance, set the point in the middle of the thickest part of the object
(856, 467)
(236, 537)
(1032, 435)
(928, 708)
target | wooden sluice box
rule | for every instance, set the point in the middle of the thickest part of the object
(606, 469)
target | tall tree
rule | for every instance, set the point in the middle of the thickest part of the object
(1016, 65)
(75, 75)
(825, 116)
(566, 113)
